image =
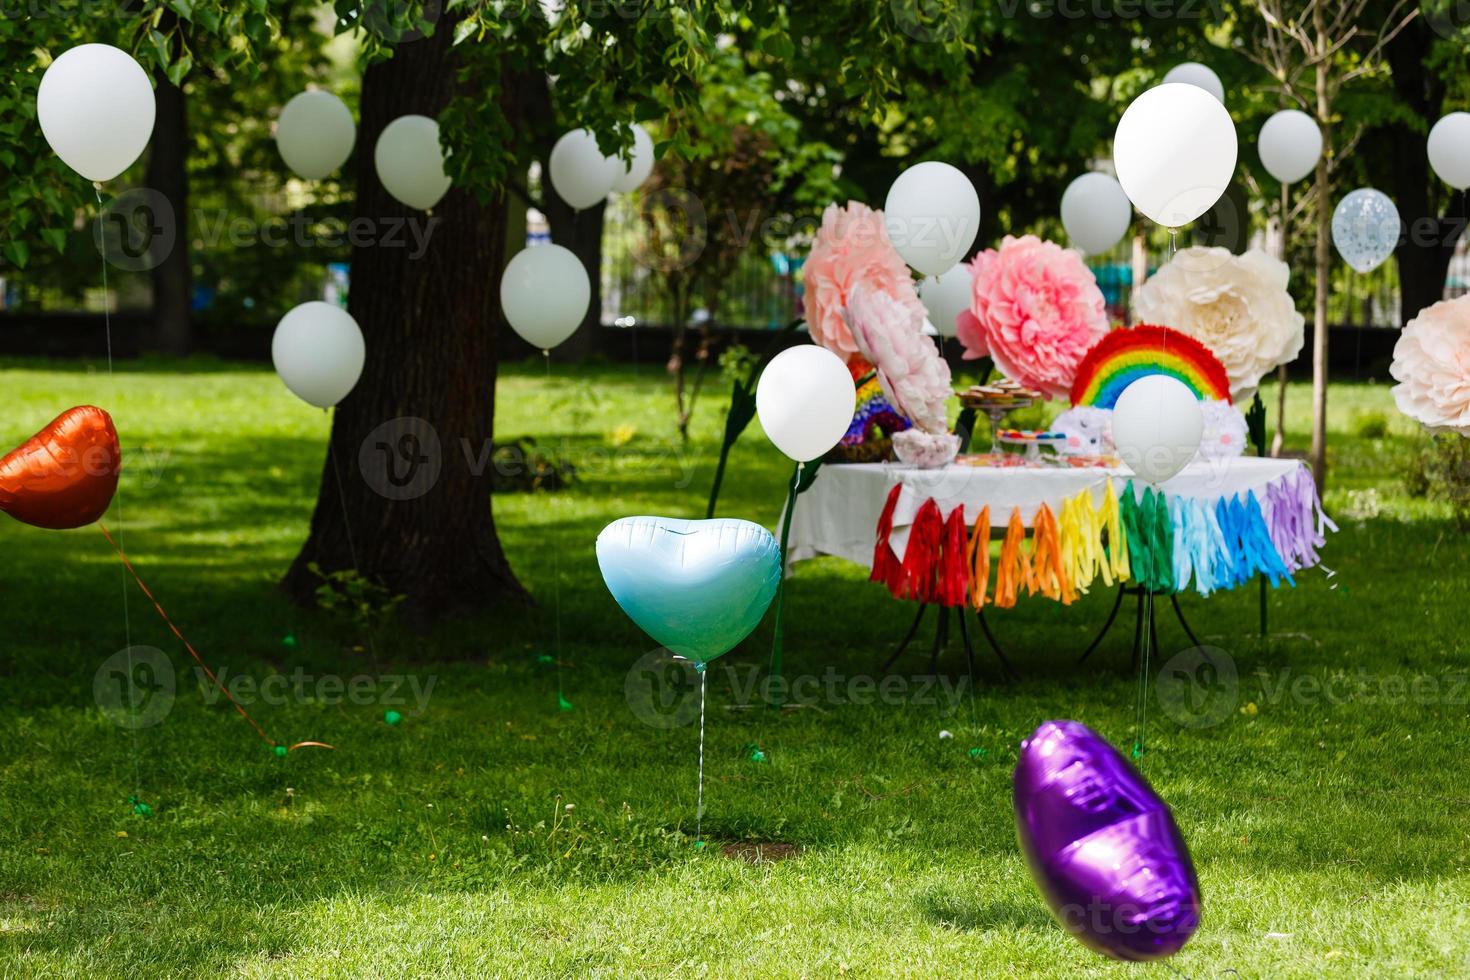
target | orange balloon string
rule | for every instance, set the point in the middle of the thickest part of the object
(195, 654)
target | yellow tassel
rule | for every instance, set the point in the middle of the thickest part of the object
(1081, 550)
(1116, 559)
(980, 559)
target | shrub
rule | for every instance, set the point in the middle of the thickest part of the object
(1441, 471)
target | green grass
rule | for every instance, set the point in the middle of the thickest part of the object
(496, 834)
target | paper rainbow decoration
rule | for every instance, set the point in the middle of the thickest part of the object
(873, 407)
(1124, 356)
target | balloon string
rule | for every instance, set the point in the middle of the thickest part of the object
(127, 564)
(561, 697)
(347, 530)
(699, 805)
(118, 494)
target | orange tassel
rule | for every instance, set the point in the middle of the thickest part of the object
(1048, 573)
(1014, 571)
(980, 559)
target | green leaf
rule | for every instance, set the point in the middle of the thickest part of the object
(55, 237)
(19, 253)
(182, 8)
(179, 69)
(160, 46)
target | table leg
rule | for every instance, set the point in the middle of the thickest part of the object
(1117, 604)
(995, 645)
(904, 644)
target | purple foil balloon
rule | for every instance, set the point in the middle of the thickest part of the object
(1102, 846)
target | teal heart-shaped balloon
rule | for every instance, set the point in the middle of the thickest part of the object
(696, 587)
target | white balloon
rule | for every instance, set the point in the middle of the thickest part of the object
(95, 106)
(318, 352)
(933, 215)
(315, 134)
(1095, 212)
(545, 292)
(1449, 149)
(1174, 153)
(1290, 145)
(410, 161)
(632, 174)
(946, 297)
(1198, 75)
(805, 399)
(1157, 427)
(580, 173)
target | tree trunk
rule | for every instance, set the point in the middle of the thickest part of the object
(1424, 255)
(1324, 266)
(167, 175)
(405, 493)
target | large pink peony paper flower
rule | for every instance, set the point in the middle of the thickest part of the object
(1236, 305)
(1431, 362)
(852, 247)
(1041, 310)
(968, 328)
(913, 375)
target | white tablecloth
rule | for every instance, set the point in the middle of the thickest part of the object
(838, 514)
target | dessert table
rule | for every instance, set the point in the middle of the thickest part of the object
(925, 533)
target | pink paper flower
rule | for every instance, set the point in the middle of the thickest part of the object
(852, 248)
(1041, 310)
(913, 375)
(1431, 362)
(968, 328)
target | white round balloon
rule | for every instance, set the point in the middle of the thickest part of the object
(580, 173)
(96, 109)
(1174, 153)
(1449, 149)
(315, 134)
(545, 292)
(933, 215)
(1365, 228)
(805, 399)
(1198, 75)
(1157, 427)
(1290, 145)
(633, 173)
(1095, 212)
(410, 161)
(318, 352)
(945, 297)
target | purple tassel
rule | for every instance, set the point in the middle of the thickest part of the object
(1297, 521)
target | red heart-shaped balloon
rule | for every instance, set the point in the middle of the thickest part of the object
(65, 475)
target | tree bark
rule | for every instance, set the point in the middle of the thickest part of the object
(1324, 264)
(1424, 254)
(431, 327)
(173, 331)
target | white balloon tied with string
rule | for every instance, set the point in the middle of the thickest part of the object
(319, 352)
(1157, 427)
(1174, 152)
(315, 134)
(1290, 145)
(932, 215)
(545, 292)
(1095, 213)
(410, 161)
(96, 109)
(805, 399)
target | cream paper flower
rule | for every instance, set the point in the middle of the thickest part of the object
(1431, 362)
(1236, 305)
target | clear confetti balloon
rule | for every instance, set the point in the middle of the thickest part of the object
(1365, 228)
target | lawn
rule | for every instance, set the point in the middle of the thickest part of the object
(492, 833)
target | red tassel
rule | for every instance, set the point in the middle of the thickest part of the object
(921, 558)
(954, 570)
(886, 567)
